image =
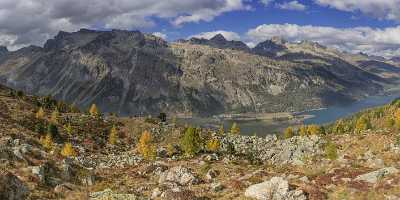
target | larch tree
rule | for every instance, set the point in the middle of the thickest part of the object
(47, 142)
(113, 137)
(68, 150)
(146, 147)
(40, 113)
(191, 142)
(94, 111)
(289, 133)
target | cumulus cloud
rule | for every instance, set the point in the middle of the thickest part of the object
(227, 34)
(382, 9)
(33, 21)
(292, 5)
(384, 42)
(160, 35)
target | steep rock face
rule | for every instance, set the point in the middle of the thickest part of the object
(133, 73)
(219, 41)
(269, 48)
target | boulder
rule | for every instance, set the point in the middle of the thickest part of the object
(374, 176)
(181, 175)
(275, 189)
(11, 187)
(40, 172)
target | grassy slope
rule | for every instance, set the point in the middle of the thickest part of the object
(328, 179)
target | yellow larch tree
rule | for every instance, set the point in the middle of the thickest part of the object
(68, 150)
(146, 147)
(40, 113)
(94, 111)
(113, 137)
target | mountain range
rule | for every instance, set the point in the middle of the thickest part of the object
(132, 73)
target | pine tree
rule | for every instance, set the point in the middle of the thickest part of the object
(40, 113)
(68, 150)
(39, 128)
(94, 112)
(52, 130)
(235, 130)
(288, 133)
(47, 142)
(191, 142)
(146, 147)
(113, 137)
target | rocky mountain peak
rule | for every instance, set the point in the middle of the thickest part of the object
(278, 40)
(269, 47)
(218, 38)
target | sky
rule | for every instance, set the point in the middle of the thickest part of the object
(369, 26)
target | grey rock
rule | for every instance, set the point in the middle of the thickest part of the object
(269, 149)
(304, 179)
(374, 176)
(180, 175)
(40, 172)
(275, 189)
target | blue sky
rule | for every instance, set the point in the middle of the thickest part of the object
(243, 20)
(369, 26)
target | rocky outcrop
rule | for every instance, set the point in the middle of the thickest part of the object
(219, 41)
(270, 149)
(374, 176)
(11, 187)
(270, 47)
(180, 175)
(275, 189)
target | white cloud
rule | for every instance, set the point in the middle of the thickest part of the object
(227, 34)
(160, 35)
(266, 2)
(34, 21)
(382, 9)
(293, 5)
(384, 42)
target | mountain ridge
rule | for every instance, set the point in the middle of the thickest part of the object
(132, 73)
